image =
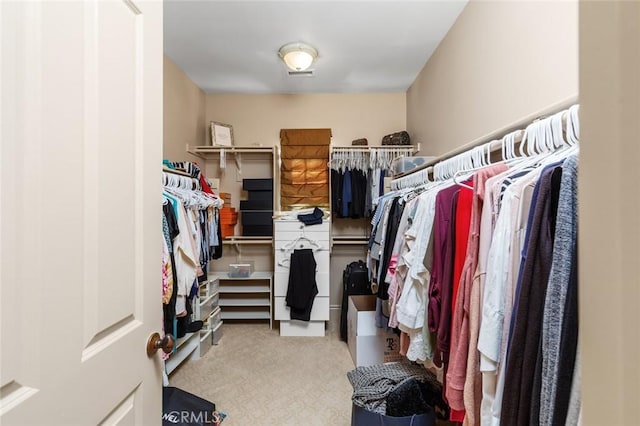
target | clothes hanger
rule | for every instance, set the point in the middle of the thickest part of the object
(474, 162)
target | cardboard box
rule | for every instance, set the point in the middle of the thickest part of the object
(368, 344)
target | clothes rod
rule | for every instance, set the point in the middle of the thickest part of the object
(176, 172)
(362, 148)
(518, 125)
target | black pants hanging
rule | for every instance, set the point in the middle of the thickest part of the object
(302, 288)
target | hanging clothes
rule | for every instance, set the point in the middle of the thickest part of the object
(480, 263)
(191, 239)
(357, 179)
(525, 348)
(302, 288)
(347, 196)
(557, 320)
(464, 334)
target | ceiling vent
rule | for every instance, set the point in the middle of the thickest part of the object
(305, 73)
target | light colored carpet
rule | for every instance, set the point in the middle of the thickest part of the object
(257, 377)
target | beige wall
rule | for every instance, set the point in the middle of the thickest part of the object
(257, 119)
(499, 63)
(609, 201)
(184, 112)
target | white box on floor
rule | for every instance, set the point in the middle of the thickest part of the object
(368, 344)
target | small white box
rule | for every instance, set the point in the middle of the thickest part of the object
(368, 344)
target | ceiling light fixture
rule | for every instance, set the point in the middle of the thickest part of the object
(298, 56)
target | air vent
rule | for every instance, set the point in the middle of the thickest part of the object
(306, 73)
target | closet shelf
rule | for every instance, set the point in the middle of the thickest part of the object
(205, 151)
(245, 302)
(245, 289)
(182, 341)
(189, 350)
(255, 276)
(349, 240)
(230, 315)
(247, 240)
(247, 298)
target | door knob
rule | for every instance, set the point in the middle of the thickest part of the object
(155, 342)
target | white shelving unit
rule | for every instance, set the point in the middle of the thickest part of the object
(246, 298)
(292, 234)
(208, 153)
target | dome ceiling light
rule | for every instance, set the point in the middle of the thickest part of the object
(298, 56)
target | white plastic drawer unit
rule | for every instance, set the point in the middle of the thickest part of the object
(319, 311)
(208, 305)
(297, 226)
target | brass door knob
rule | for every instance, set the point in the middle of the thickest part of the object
(155, 342)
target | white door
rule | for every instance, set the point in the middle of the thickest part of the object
(80, 230)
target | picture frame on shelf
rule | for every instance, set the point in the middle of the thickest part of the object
(221, 134)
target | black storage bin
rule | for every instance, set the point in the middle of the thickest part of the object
(257, 231)
(251, 218)
(260, 195)
(363, 417)
(257, 184)
(256, 204)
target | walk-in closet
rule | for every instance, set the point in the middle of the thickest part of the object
(408, 213)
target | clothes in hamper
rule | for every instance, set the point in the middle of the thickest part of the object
(414, 397)
(302, 288)
(372, 384)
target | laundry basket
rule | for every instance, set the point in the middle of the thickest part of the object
(363, 417)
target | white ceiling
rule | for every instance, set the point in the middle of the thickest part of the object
(363, 46)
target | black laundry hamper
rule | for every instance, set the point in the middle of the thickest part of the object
(183, 408)
(363, 417)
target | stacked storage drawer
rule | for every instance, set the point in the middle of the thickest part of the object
(290, 233)
(257, 211)
(210, 314)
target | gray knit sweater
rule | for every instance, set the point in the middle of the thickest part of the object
(564, 247)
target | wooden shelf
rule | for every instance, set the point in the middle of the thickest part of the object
(184, 339)
(349, 240)
(231, 315)
(244, 302)
(255, 276)
(205, 150)
(186, 347)
(245, 289)
(245, 298)
(247, 240)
